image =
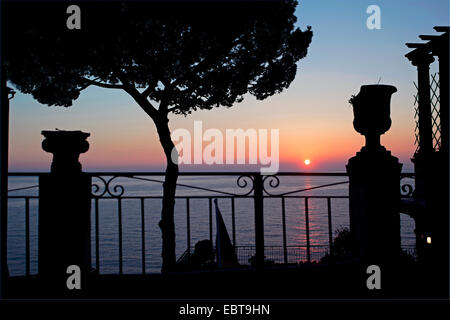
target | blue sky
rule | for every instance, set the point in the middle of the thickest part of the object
(313, 115)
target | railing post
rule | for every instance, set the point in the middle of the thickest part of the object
(308, 241)
(97, 236)
(143, 234)
(283, 222)
(210, 220)
(27, 236)
(259, 219)
(119, 211)
(330, 227)
(188, 227)
(64, 214)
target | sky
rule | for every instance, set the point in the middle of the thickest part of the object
(313, 115)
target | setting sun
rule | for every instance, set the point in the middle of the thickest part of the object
(307, 162)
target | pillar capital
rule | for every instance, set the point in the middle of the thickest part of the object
(421, 59)
(66, 147)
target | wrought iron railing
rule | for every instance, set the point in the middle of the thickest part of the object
(253, 187)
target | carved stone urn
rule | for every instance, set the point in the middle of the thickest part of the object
(374, 174)
(371, 110)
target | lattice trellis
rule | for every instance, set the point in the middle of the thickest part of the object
(435, 113)
(416, 118)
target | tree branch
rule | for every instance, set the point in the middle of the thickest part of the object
(172, 109)
(163, 106)
(141, 100)
(102, 85)
(147, 92)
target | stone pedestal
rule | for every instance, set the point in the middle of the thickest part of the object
(374, 175)
(64, 210)
(374, 192)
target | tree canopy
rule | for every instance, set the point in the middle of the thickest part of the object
(179, 56)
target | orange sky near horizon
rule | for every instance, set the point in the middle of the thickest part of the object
(134, 145)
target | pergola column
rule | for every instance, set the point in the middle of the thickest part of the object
(444, 98)
(422, 62)
(431, 164)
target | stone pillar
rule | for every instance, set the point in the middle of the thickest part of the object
(374, 175)
(64, 211)
(431, 166)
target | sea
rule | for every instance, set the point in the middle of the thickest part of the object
(199, 218)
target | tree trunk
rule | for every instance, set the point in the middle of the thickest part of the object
(167, 224)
